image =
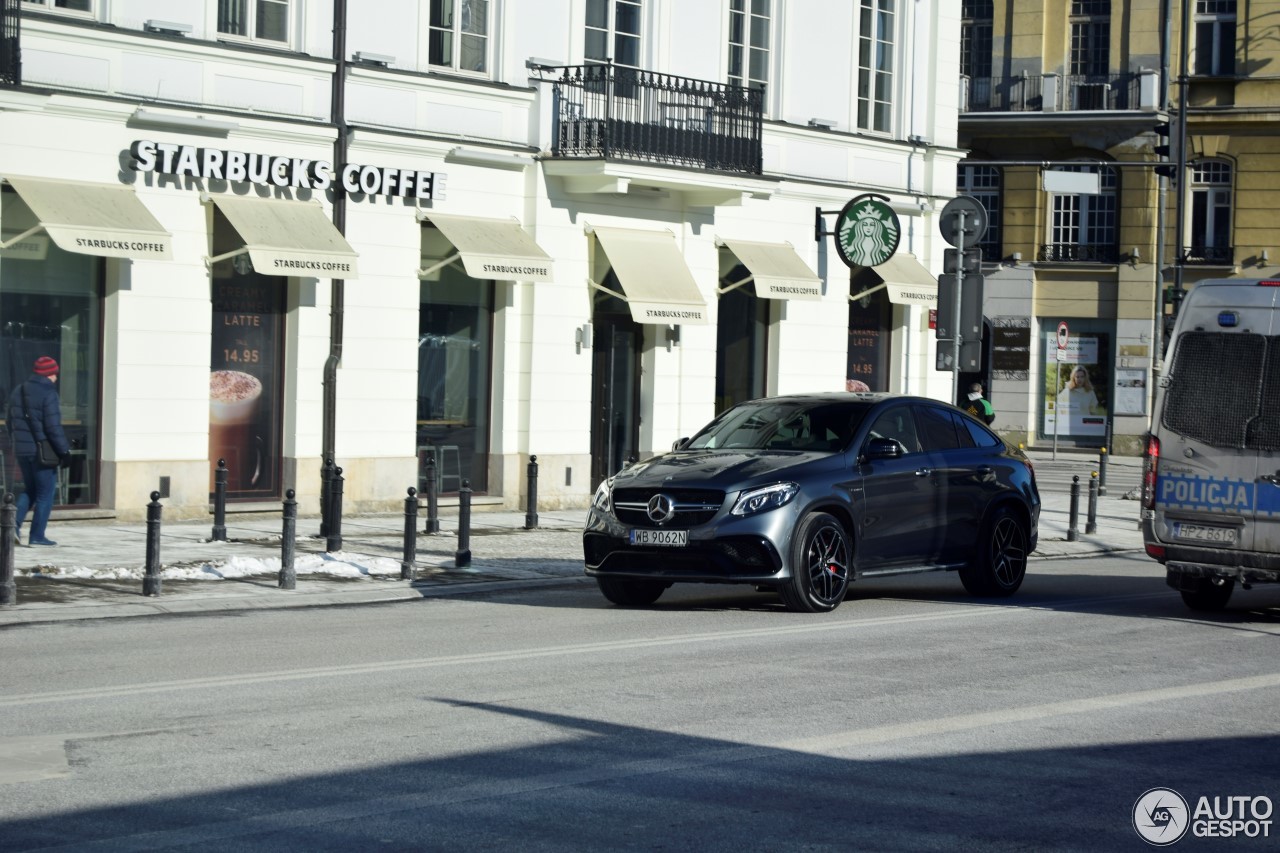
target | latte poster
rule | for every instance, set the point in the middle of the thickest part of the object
(244, 392)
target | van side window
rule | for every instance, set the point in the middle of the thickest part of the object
(1215, 387)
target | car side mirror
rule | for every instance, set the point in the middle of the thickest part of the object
(679, 443)
(882, 448)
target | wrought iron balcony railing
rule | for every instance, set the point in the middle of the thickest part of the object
(628, 114)
(1052, 92)
(1076, 254)
(1004, 94)
(1211, 255)
(10, 57)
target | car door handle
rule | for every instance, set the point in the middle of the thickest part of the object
(923, 472)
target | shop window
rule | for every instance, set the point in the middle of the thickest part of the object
(742, 335)
(867, 365)
(749, 43)
(458, 35)
(51, 304)
(246, 375)
(1077, 382)
(455, 328)
(877, 32)
(256, 20)
(1214, 49)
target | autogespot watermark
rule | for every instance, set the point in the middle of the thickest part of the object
(1162, 816)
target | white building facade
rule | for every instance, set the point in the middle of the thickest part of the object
(275, 231)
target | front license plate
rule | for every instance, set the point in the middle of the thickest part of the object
(668, 538)
(1200, 533)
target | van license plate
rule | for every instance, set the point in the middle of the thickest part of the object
(668, 538)
(1200, 533)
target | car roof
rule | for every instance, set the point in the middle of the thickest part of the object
(871, 397)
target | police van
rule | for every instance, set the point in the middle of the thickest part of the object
(1211, 482)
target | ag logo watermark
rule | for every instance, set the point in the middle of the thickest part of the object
(1162, 816)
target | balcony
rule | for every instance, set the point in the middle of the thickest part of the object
(604, 111)
(10, 57)
(1055, 92)
(1221, 256)
(1072, 253)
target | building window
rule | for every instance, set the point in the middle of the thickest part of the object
(983, 184)
(258, 20)
(1210, 213)
(62, 5)
(976, 24)
(1090, 38)
(749, 29)
(877, 26)
(1083, 227)
(459, 35)
(613, 32)
(1214, 52)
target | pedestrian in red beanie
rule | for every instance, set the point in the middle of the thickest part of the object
(35, 414)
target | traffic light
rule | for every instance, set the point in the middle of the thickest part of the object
(1164, 149)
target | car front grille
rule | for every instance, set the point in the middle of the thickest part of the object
(692, 506)
(728, 557)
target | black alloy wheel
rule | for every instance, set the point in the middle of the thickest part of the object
(1000, 563)
(821, 565)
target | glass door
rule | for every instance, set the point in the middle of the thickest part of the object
(615, 386)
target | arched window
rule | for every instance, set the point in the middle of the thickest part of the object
(1209, 214)
(1082, 226)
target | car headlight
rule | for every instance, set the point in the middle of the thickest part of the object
(603, 492)
(765, 499)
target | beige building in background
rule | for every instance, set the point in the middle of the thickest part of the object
(1059, 108)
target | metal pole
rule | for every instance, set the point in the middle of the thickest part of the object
(1180, 194)
(955, 305)
(1073, 518)
(8, 535)
(1091, 520)
(1057, 389)
(1102, 471)
(462, 558)
(531, 509)
(151, 581)
(333, 540)
(433, 504)
(410, 535)
(326, 478)
(220, 502)
(288, 541)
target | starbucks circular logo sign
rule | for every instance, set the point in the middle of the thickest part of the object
(867, 232)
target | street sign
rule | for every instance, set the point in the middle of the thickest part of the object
(1063, 335)
(963, 221)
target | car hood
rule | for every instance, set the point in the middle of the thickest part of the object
(722, 469)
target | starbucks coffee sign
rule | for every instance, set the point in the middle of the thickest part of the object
(867, 231)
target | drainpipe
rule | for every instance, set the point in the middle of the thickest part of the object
(338, 292)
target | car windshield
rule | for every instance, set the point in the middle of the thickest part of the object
(783, 425)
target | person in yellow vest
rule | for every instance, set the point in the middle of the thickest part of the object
(979, 406)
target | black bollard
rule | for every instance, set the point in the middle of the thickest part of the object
(1073, 518)
(462, 559)
(410, 535)
(531, 508)
(333, 539)
(151, 581)
(433, 504)
(1091, 520)
(220, 502)
(1102, 470)
(326, 477)
(288, 541)
(8, 535)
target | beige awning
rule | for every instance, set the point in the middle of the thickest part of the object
(659, 288)
(490, 248)
(107, 220)
(776, 269)
(283, 237)
(905, 280)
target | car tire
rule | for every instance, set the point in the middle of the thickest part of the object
(1208, 596)
(821, 565)
(1000, 563)
(625, 592)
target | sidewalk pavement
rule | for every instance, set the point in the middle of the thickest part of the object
(96, 571)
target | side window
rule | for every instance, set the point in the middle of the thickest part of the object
(937, 429)
(980, 435)
(899, 425)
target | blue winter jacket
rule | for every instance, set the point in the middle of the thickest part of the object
(46, 417)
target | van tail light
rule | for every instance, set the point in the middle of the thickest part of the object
(1155, 552)
(1150, 470)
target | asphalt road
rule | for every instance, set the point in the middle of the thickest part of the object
(912, 718)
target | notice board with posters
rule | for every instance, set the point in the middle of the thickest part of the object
(244, 383)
